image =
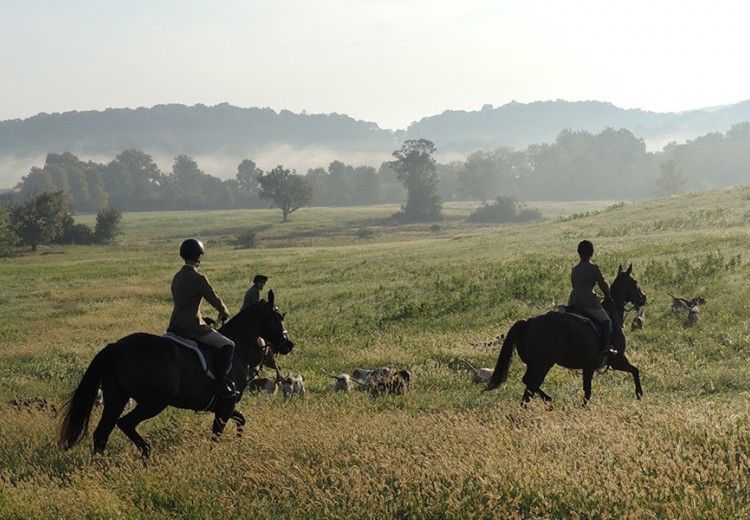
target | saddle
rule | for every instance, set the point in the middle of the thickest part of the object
(203, 352)
(580, 315)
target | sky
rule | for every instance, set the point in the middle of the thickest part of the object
(387, 61)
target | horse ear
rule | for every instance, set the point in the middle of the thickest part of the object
(630, 269)
(619, 269)
(271, 298)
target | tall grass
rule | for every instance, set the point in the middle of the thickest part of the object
(408, 297)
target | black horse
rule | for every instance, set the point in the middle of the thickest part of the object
(156, 373)
(557, 338)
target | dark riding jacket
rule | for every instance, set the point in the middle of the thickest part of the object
(583, 277)
(189, 287)
(251, 296)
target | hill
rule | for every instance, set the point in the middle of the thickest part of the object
(518, 124)
(219, 137)
(418, 297)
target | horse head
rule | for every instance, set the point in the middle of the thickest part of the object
(625, 288)
(274, 331)
(262, 321)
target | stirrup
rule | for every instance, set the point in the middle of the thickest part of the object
(227, 391)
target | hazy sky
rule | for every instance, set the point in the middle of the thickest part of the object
(388, 61)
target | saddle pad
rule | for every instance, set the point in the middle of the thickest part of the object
(579, 317)
(192, 345)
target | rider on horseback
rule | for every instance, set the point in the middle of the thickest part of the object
(189, 287)
(583, 277)
(253, 293)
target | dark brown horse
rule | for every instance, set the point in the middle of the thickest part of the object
(156, 373)
(557, 338)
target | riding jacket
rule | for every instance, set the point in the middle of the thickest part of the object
(583, 277)
(251, 296)
(189, 287)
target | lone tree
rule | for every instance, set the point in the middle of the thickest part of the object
(415, 168)
(672, 180)
(285, 190)
(107, 225)
(40, 219)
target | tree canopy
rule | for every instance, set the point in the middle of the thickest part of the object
(285, 190)
(415, 168)
(40, 219)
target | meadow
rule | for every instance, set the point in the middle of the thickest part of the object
(362, 292)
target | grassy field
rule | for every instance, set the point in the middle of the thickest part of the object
(361, 292)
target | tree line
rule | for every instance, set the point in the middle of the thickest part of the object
(613, 164)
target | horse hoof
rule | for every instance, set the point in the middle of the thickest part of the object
(145, 452)
(638, 395)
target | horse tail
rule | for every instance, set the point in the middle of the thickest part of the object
(513, 339)
(75, 422)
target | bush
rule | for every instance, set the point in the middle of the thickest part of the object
(107, 225)
(364, 232)
(40, 219)
(504, 209)
(76, 234)
(247, 239)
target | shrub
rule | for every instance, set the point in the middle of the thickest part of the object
(364, 232)
(107, 225)
(504, 209)
(247, 239)
(76, 233)
(40, 219)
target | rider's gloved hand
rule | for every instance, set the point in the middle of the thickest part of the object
(223, 316)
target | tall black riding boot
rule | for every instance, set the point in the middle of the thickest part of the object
(606, 341)
(223, 387)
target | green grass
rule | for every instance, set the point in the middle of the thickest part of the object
(412, 296)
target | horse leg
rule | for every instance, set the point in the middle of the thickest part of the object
(541, 393)
(527, 395)
(534, 380)
(140, 413)
(588, 375)
(223, 411)
(620, 362)
(114, 404)
(239, 419)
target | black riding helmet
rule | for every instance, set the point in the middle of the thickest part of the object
(191, 249)
(585, 249)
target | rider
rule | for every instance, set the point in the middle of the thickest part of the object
(189, 287)
(583, 277)
(253, 293)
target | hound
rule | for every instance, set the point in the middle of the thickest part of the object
(292, 385)
(478, 375)
(345, 382)
(262, 384)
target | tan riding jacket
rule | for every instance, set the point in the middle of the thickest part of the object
(189, 287)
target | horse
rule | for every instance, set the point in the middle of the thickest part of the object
(556, 338)
(156, 372)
